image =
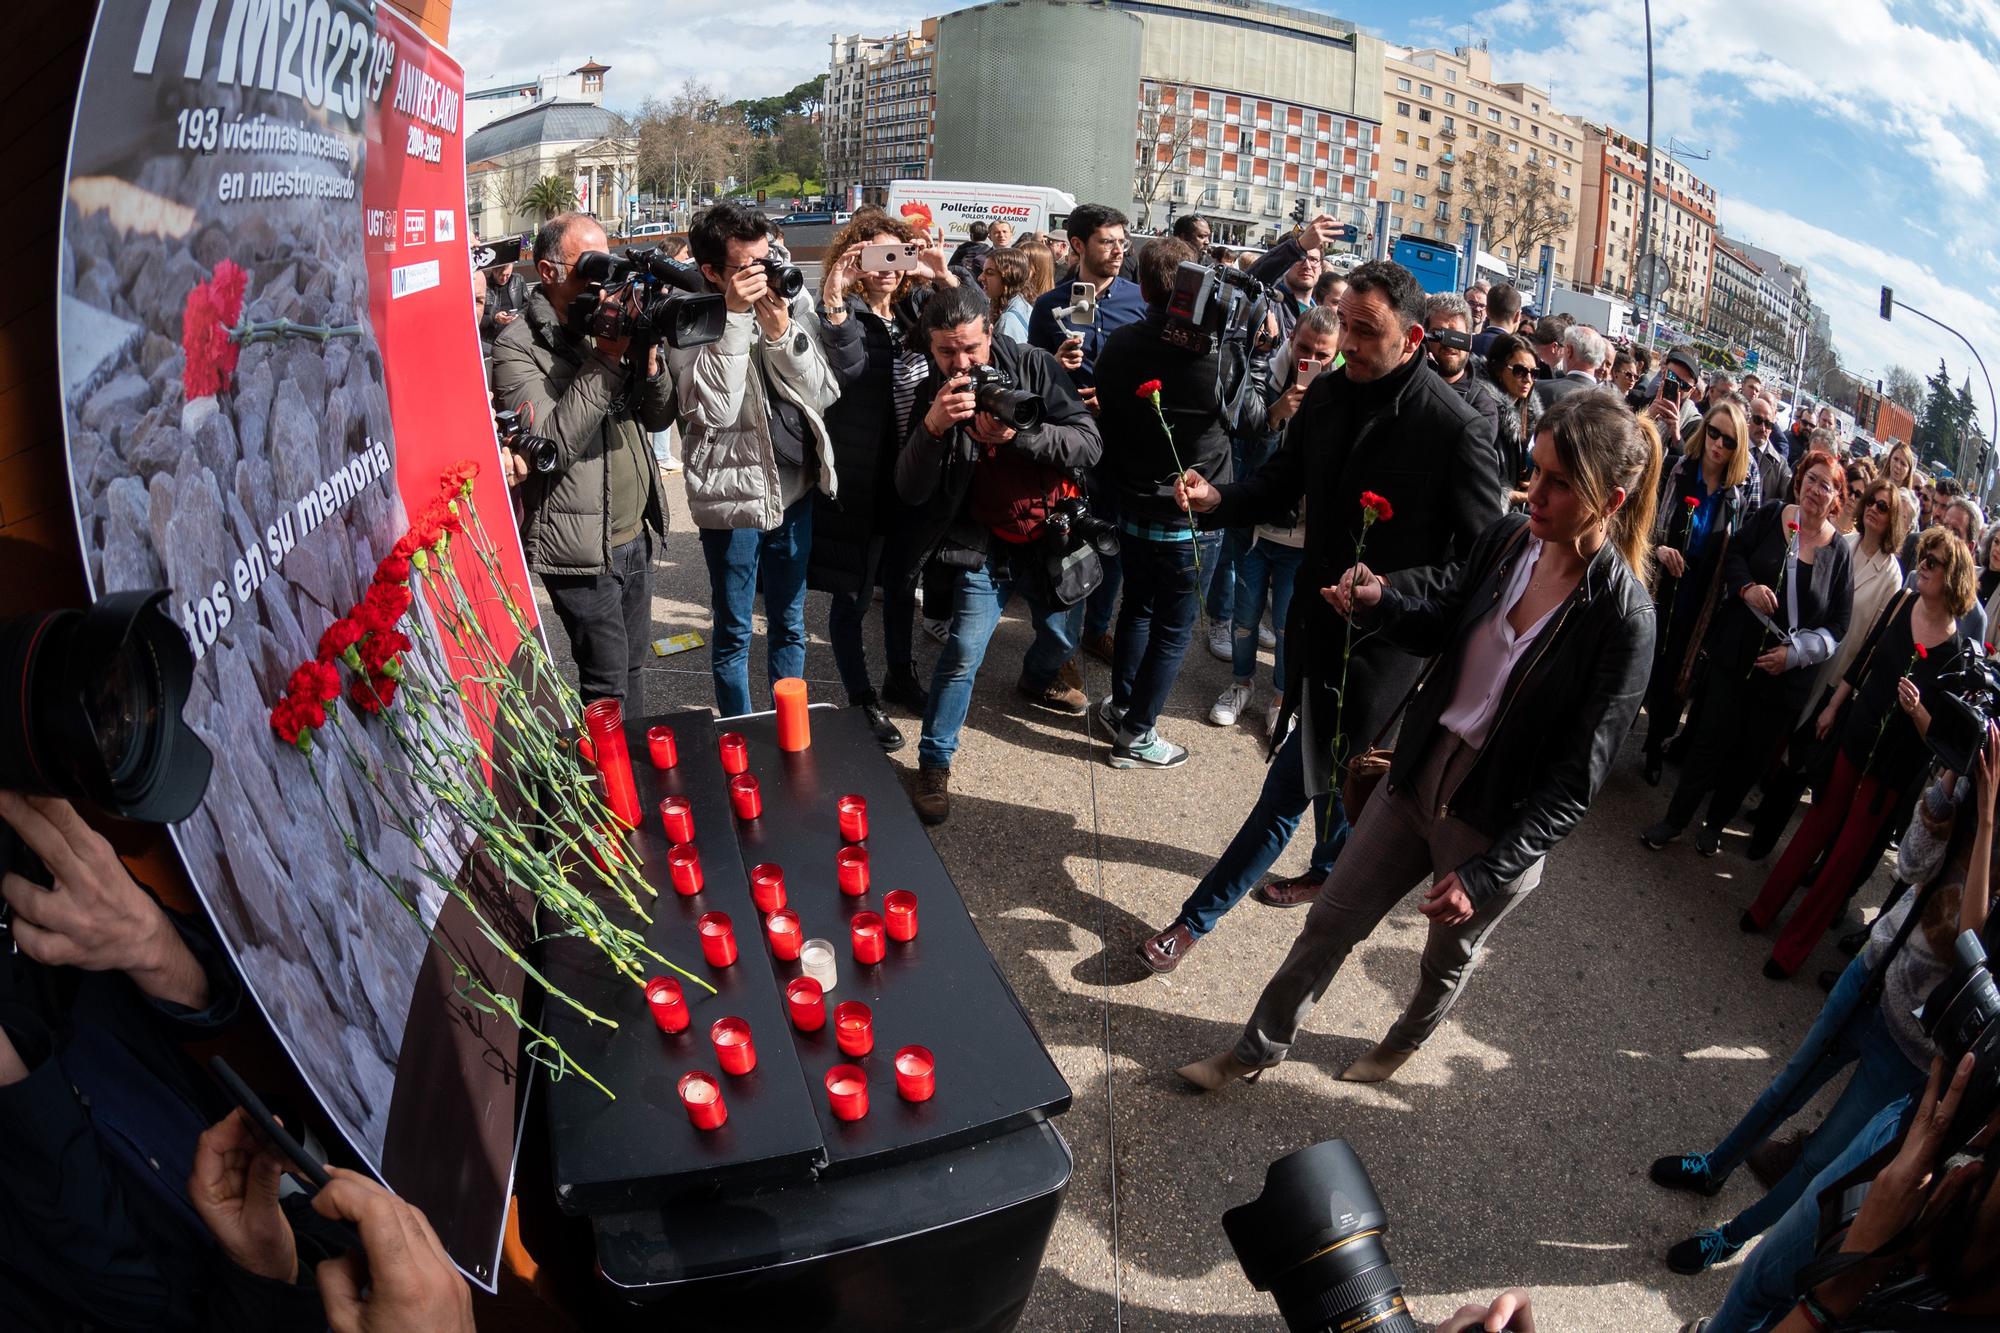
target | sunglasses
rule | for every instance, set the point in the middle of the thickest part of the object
(1675, 383)
(1929, 562)
(1878, 506)
(1761, 421)
(1520, 370)
(1718, 433)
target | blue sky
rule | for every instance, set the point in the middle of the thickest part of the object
(1858, 137)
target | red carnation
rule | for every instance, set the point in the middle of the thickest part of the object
(373, 694)
(386, 603)
(315, 681)
(393, 569)
(457, 479)
(285, 720)
(341, 635)
(1791, 525)
(1989, 650)
(381, 650)
(211, 310)
(1148, 389)
(1377, 505)
(406, 545)
(1692, 502)
(1922, 652)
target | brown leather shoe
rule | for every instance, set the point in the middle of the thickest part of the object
(933, 798)
(1098, 646)
(1071, 677)
(1055, 696)
(1298, 891)
(1771, 1160)
(1164, 951)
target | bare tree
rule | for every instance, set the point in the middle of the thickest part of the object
(1905, 388)
(1165, 131)
(1517, 204)
(690, 143)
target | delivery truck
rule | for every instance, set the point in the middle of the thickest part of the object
(956, 205)
(1608, 315)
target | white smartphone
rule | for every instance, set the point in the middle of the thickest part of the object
(1082, 303)
(1308, 371)
(892, 257)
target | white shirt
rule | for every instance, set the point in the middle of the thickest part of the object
(1491, 655)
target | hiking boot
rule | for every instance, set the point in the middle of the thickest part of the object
(1163, 952)
(1149, 750)
(903, 689)
(1219, 645)
(1700, 1252)
(1230, 703)
(1054, 696)
(933, 798)
(1098, 646)
(1686, 1171)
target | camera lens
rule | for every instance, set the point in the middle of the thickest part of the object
(90, 709)
(786, 280)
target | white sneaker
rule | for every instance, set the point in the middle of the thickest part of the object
(1229, 704)
(1266, 637)
(938, 629)
(1271, 711)
(1218, 640)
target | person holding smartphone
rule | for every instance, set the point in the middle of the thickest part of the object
(1791, 585)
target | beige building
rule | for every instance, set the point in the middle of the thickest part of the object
(879, 121)
(1614, 206)
(1458, 147)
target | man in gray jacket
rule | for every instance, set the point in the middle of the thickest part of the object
(590, 526)
(754, 447)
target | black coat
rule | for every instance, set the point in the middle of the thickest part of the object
(1514, 440)
(1826, 595)
(1409, 438)
(1565, 712)
(862, 353)
(1140, 460)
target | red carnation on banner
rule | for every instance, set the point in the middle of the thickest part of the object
(1150, 389)
(383, 606)
(373, 694)
(1377, 506)
(456, 483)
(340, 636)
(317, 681)
(209, 354)
(393, 569)
(379, 654)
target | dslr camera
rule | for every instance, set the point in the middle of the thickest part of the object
(1215, 305)
(1070, 519)
(516, 429)
(995, 393)
(629, 297)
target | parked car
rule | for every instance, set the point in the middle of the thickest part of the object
(806, 220)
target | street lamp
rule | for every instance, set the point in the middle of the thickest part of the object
(1889, 303)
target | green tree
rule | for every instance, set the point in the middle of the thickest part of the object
(1937, 427)
(548, 196)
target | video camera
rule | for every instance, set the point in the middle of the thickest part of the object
(517, 434)
(1961, 703)
(1450, 338)
(1214, 305)
(688, 316)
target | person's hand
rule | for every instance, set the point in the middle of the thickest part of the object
(774, 313)
(1509, 1313)
(1823, 725)
(745, 288)
(234, 1189)
(1287, 405)
(1671, 560)
(1908, 697)
(1070, 355)
(515, 465)
(1759, 598)
(505, 317)
(94, 917)
(654, 363)
(937, 262)
(1986, 770)
(1447, 903)
(1318, 234)
(1668, 414)
(1359, 586)
(1089, 395)
(954, 403)
(839, 277)
(410, 1283)
(989, 429)
(1192, 492)
(1774, 659)
(1902, 1188)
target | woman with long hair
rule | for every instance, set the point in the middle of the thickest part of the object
(1882, 752)
(866, 325)
(1791, 583)
(1706, 496)
(1007, 279)
(1879, 527)
(1540, 649)
(1510, 364)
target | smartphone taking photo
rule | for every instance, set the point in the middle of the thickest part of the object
(892, 257)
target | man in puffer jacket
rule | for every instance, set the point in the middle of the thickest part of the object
(590, 527)
(754, 447)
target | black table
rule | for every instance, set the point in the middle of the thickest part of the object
(786, 1203)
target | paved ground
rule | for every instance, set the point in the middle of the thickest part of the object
(1619, 1014)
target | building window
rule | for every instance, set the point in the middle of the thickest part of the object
(1451, 76)
(1242, 199)
(1423, 142)
(1451, 99)
(1395, 222)
(1493, 114)
(1471, 107)
(1565, 191)
(1513, 122)
(1418, 200)
(1402, 108)
(1423, 172)
(1425, 90)
(1396, 196)
(1400, 165)
(1416, 227)
(1493, 138)
(1424, 114)
(1465, 214)
(1402, 85)
(1402, 136)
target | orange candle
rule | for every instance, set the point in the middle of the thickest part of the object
(794, 730)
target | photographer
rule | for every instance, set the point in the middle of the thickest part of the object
(1189, 430)
(984, 490)
(1292, 268)
(755, 447)
(590, 526)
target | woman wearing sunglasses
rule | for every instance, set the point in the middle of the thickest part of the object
(1882, 752)
(1511, 363)
(1791, 585)
(1882, 520)
(1706, 497)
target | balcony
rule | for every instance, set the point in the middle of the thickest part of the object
(1447, 157)
(1447, 133)
(1442, 191)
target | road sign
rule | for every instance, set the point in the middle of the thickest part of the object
(1649, 274)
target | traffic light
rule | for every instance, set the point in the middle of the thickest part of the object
(1172, 208)
(1888, 300)
(1299, 212)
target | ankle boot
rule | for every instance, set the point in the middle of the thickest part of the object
(1378, 1066)
(1219, 1071)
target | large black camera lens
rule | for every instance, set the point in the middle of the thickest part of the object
(539, 450)
(1313, 1239)
(90, 709)
(1962, 1014)
(786, 280)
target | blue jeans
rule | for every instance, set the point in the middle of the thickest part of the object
(1268, 827)
(1266, 566)
(978, 596)
(1155, 622)
(738, 559)
(846, 611)
(1843, 1034)
(1221, 561)
(1765, 1288)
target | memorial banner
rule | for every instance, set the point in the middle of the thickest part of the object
(268, 356)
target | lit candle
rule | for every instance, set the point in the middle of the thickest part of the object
(847, 1091)
(899, 907)
(806, 1003)
(684, 869)
(866, 928)
(854, 1027)
(669, 1006)
(660, 744)
(783, 931)
(734, 750)
(744, 796)
(816, 960)
(853, 818)
(850, 868)
(677, 819)
(718, 938)
(702, 1096)
(767, 886)
(733, 1047)
(916, 1074)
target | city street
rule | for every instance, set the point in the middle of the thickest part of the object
(1618, 1015)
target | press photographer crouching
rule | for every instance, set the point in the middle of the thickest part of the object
(996, 438)
(592, 518)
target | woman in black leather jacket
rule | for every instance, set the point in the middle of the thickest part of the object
(1542, 646)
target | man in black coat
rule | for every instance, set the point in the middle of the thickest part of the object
(1383, 425)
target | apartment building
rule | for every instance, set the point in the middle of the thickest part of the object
(1611, 235)
(879, 121)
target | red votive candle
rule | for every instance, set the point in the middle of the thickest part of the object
(767, 886)
(718, 938)
(606, 720)
(669, 1006)
(851, 869)
(806, 1003)
(609, 848)
(854, 1027)
(733, 1047)
(660, 744)
(684, 869)
(702, 1096)
(677, 819)
(853, 818)
(899, 908)
(744, 795)
(916, 1073)
(847, 1091)
(734, 750)
(866, 927)
(784, 933)
(788, 697)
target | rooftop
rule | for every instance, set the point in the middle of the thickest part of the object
(564, 120)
